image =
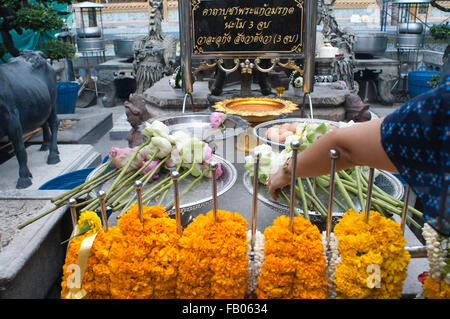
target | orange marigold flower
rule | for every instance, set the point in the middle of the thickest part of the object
(213, 261)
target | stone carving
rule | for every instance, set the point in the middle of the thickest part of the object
(154, 54)
(343, 39)
(356, 109)
(137, 113)
(28, 101)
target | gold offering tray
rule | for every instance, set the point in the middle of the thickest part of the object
(256, 109)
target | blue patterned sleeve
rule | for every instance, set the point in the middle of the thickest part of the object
(416, 139)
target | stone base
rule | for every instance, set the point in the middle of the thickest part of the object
(73, 157)
(32, 261)
(88, 129)
(163, 96)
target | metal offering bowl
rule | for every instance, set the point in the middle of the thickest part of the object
(198, 196)
(256, 109)
(198, 125)
(260, 129)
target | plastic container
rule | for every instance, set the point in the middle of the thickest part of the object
(68, 181)
(67, 97)
(418, 81)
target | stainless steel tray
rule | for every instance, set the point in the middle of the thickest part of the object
(198, 125)
(260, 129)
(198, 196)
(386, 181)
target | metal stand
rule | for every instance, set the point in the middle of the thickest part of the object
(184, 101)
(310, 106)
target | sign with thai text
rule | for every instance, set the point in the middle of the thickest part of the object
(247, 26)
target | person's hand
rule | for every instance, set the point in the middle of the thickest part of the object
(277, 180)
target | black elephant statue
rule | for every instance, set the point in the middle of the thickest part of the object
(28, 101)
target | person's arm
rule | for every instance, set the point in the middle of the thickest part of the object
(357, 145)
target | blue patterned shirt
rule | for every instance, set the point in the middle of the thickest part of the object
(416, 138)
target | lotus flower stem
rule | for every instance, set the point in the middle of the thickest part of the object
(74, 190)
(338, 202)
(195, 181)
(317, 204)
(359, 187)
(127, 203)
(313, 194)
(40, 216)
(395, 200)
(93, 186)
(131, 178)
(388, 207)
(343, 191)
(163, 197)
(144, 180)
(303, 198)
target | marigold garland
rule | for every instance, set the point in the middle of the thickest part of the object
(294, 266)
(213, 261)
(132, 259)
(373, 250)
(144, 257)
(436, 289)
(95, 226)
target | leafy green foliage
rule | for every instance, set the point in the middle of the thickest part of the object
(36, 15)
(57, 49)
(38, 18)
(440, 31)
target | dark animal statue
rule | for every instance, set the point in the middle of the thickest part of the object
(28, 101)
(137, 114)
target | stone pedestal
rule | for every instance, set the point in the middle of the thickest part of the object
(31, 258)
(161, 95)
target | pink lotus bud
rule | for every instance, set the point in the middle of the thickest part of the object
(207, 152)
(121, 156)
(219, 171)
(150, 167)
(216, 119)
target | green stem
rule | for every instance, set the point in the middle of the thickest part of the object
(94, 186)
(358, 183)
(126, 205)
(388, 207)
(303, 198)
(40, 216)
(316, 204)
(195, 181)
(342, 190)
(145, 179)
(390, 199)
(163, 197)
(334, 198)
(314, 195)
(68, 194)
